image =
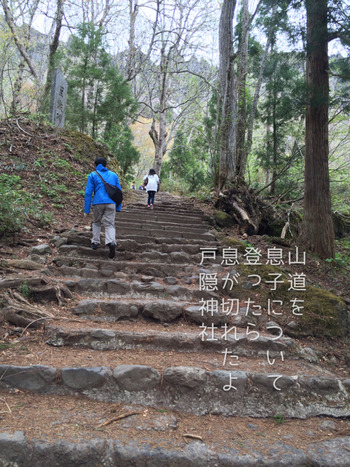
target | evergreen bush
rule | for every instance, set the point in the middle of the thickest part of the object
(11, 214)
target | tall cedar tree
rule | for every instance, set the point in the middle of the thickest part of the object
(227, 94)
(317, 228)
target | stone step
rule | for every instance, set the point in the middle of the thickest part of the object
(81, 238)
(89, 267)
(125, 244)
(186, 339)
(137, 226)
(134, 212)
(154, 215)
(212, 329)
(88, 433)
(148, 256)
(190, 389)
(153, 231)
(207, 241)
(167, 207)
(164, 311)
(143, 215)
(168, 311)
(136, 288)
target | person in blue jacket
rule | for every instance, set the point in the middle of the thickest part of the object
(103, 206)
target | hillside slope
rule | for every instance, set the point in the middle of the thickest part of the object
(45, 170)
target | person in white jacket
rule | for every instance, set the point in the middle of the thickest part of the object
(151, 182)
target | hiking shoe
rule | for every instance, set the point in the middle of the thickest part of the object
(148, 205)
(151, 206)
(111, 250)
(94, 246)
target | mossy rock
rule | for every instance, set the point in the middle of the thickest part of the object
(279, 241)
(263, 270)
(223, 219)
(232, 242)
(274, 229)
(341, 224)
(248, 287)
(324, 315)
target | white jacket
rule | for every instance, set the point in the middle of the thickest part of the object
(153, 181)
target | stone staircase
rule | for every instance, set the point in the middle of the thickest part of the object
(166, 382)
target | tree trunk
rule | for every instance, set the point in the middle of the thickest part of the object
(51, 61)
(317, 227)
(227, 92)
(22, 48)
(94, 129)
(249, 139)
(268, 148)
(159, 139)
(131, 58)
(83, 100)
(17, 86)
(241, 91)
(274, 142)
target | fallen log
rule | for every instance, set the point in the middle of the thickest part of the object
(248, 225)
(12, 316)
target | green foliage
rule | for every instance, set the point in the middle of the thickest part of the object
(279, 418)
(280, 155)
(39, 118)
(98, 96)
(339, 260)
(204, 194)
(17, 205)
(119, 140)
(62, 164)
(209, 140)
(9, 181)
(175, 186)
(61, 188)
(118, 103)
(26, 290)
(85, 66)
(39, 162)
(342, 255)
(53, 191)
(100, 101)
(6, 346)
(340, 190)
(11, 212)
(186, 164)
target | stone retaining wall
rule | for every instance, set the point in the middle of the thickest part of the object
(16, 451)
(190, 389)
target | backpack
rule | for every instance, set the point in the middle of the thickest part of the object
(113, 192)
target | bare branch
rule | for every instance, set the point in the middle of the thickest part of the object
(21, 48)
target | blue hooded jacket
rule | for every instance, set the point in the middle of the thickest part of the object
(95, 186)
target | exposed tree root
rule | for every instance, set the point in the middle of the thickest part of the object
(18, 311)
(52, 292)
(253, 215)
